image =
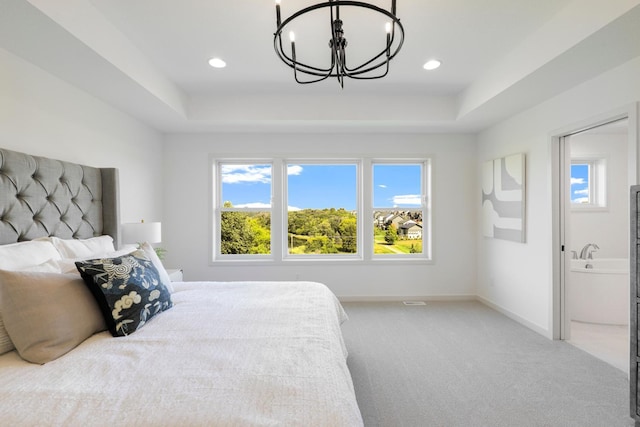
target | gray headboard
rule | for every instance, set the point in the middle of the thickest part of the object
(44, 197)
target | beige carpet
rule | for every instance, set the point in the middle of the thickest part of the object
(464, 364)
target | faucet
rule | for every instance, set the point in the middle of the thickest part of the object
(587, 251)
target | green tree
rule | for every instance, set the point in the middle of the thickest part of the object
(296, 222)
(391, 235)
(314, 245)
(236, 236)
(327, 223)
(261, 236)
(321, 245)
(324, 228)
(348, 233)
(244, 233)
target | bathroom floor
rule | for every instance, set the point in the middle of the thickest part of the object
(606, 342)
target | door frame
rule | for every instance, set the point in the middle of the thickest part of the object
(560, 167)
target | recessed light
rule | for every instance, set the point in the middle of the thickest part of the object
(431, 64)
(217, 63)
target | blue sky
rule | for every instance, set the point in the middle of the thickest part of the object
(579, 183)
(313, 186)
(397, 186)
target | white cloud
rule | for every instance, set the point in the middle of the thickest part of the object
(585, 191)
(580, 200)
(257, 205)
(294, 170)
(382, 186)
(407, 199)
(293, 208)
(576, 181)
(235, 174)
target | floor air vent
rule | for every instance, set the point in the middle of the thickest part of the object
(414, 303)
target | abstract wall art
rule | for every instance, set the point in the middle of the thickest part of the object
(503, 198)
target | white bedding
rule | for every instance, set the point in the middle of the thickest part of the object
(226, 354)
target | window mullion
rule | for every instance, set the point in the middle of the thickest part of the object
(592, 183)
(427, 210)
(278, 209)
(365, 228)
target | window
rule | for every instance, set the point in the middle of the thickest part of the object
(322, 209)
(244, 208)
(588, 183)
(287, 210)
(399, 210)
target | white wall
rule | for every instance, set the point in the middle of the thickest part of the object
(517, 278)
(43, 115)
(188, 201)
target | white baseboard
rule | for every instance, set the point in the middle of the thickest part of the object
(534, 327)
(396, 298)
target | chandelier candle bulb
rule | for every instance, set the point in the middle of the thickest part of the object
(432, 64)
(388, 48)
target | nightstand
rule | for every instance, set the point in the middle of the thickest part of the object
(175, 274)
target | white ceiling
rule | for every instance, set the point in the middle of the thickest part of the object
(180, 36)
(149, 59)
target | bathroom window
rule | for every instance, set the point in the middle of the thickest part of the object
(588, 183)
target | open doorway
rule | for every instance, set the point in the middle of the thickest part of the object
(595, 165)
(596, 291)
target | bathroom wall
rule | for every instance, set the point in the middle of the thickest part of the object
(607, 227)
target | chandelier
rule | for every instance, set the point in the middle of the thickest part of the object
(339, 67)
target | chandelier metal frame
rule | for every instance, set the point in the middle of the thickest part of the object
(338, 44)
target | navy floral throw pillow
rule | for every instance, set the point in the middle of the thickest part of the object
(128, 290)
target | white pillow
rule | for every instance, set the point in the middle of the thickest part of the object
(153, 257)
(77, 248)
(19, 256)
(50, 266)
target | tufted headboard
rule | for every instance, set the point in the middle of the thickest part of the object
(44, 197)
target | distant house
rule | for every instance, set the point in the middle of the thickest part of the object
(378, 219)
(410, 230)
(384, 220)
(396, 221)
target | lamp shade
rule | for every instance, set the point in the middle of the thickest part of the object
(140, 232)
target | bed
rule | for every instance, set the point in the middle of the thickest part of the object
(209, 353)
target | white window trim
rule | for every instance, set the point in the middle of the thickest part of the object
(425, 207)
(218, 209)
(286, 256)
(279, 249)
